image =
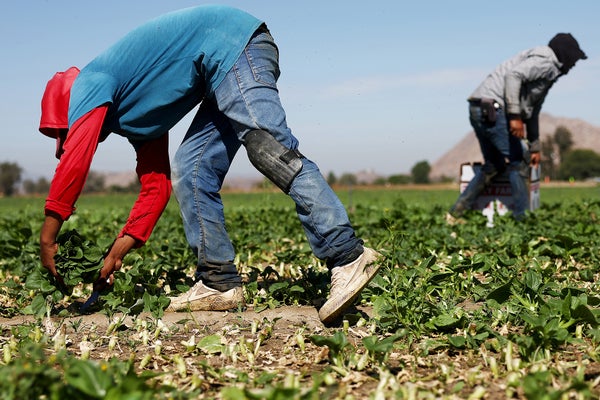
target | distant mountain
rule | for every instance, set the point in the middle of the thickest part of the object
(585, 136)
(119, 179)
(126, 178)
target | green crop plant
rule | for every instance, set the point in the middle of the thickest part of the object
(456, 311)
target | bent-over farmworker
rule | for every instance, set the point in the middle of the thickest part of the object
(504, 110)
(225, 61)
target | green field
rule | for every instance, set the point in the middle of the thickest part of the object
(425, 196)
(457, 311)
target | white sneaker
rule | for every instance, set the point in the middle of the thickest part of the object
(347, 281)
(203, 298)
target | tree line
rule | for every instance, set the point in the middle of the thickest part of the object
(559, 162)
(12, 182)
(419, 174)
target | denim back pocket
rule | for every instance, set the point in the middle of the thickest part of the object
(263, 58)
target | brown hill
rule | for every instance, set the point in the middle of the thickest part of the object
(585, 136)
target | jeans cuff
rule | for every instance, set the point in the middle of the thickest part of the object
(346, 258)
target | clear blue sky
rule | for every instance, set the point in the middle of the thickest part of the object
(375, 85)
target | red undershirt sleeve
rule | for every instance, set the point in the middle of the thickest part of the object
(154, 173)
(74, 165)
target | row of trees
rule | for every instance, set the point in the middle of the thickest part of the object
(559, 162)
(11, 178)
(418, 174)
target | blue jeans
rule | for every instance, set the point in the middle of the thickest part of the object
(501, 151)
(248, 99)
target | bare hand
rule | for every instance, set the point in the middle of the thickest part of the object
(517, 128)
(535, 158)
(114, 261)
(47, 253)
(48, 245)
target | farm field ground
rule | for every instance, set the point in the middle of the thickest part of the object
(457, 311)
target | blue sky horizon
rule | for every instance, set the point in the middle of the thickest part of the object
(377, 87)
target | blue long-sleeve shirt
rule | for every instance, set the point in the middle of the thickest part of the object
(156, 74)
(140, 88)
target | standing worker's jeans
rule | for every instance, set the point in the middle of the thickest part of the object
(501, 151)
(246, 100)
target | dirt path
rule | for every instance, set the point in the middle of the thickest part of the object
(287, 315)
(274, 341)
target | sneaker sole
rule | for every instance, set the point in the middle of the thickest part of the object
(203, 306)
(208, 304)
(333, 308)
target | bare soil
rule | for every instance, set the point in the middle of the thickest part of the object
(442, 374)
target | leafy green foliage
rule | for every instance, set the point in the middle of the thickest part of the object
(518, 294)
(78, 261)
(34, 375)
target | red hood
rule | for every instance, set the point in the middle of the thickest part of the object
(55, 103)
